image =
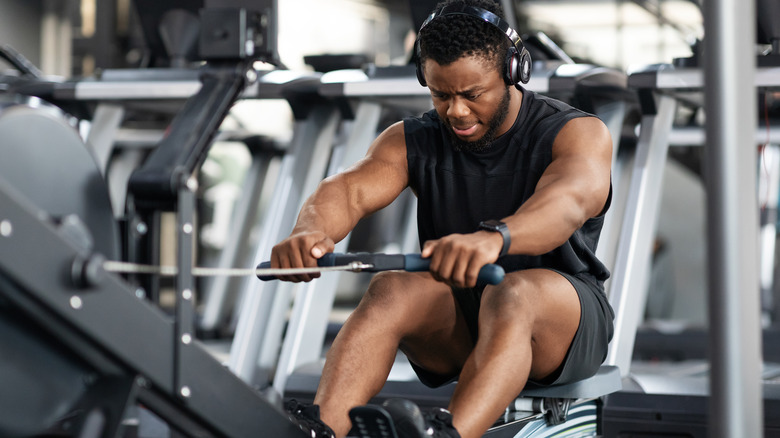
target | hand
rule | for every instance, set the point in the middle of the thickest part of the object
(299, 250)
(456, 259)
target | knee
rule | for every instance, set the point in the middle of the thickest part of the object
(388, 303)
(388, 290)
(515, 297)
(532, 295)
(514, 291)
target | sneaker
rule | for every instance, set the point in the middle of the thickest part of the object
(307, 418)
(410, 422)
(439, 422)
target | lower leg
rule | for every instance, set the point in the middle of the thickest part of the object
(491, 378)
(356, 367)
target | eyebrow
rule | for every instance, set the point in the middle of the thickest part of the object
(473, 90)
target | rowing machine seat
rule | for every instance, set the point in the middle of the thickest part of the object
(606, 381)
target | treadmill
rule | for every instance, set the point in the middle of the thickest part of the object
(668, 391)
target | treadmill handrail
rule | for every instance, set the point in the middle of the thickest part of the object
(189, 137)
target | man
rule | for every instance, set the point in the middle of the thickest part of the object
(502, 175)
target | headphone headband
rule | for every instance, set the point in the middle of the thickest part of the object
(518, 61)
(483, 14)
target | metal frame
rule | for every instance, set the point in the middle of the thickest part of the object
(262, 302)
(313, 303)
(630, 274)
(119, 332)
(736, 407)
(223, 293)
(218, 294)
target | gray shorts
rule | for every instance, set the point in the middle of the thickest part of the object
(587, 351)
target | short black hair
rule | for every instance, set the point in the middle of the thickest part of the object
(451, 37)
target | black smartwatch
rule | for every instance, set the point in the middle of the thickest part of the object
(499, 227)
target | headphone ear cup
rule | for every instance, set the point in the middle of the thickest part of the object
(418, 64)
(420, 76)
(525, 66)
(511, 67)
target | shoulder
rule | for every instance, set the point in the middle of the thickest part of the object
(587, 126)
(586, 134)
(390, 146)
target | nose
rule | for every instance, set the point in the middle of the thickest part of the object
(457, 108)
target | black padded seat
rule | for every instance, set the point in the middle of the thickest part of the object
(606, 381)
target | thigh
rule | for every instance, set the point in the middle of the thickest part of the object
(536, 306)
(433, 333)
(591, 342)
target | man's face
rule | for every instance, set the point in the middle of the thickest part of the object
(471, 98)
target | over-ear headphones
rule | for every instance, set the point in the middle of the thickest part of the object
(517, 65)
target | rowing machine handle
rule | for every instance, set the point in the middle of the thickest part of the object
(489, 274)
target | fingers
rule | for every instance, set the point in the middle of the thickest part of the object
(300, 250)
(322, 247)
(428, 248)
(284, 256)
(456, 259)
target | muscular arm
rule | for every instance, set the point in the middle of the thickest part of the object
(340, 201)
(573, 188)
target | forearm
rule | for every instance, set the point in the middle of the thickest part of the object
(322, 222)
(328, 210)
(341, 200)
(550, 217)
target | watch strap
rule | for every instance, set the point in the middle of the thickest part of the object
(499, 227)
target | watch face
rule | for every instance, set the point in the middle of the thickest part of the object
(491, 224)
(499, 227)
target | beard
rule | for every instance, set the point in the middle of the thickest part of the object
(483, 143)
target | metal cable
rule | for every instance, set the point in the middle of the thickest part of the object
(135, 268)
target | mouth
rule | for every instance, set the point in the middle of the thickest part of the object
(465, 131)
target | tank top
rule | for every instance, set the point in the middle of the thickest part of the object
(456, 190)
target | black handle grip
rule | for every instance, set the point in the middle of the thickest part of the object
(265, 265)
(489, 274)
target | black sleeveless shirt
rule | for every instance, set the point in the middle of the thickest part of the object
(456, 190)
